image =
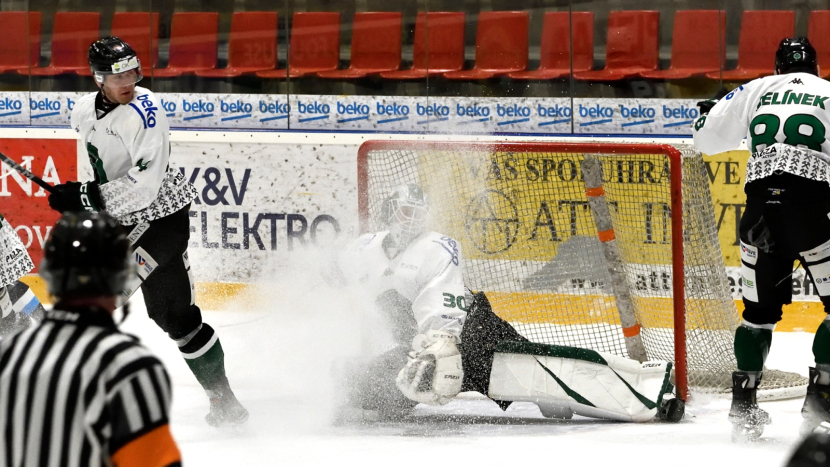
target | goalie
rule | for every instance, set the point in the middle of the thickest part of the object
(18, 305)
(439, 346)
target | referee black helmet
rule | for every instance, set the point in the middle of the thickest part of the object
(87, 255)
(796, 55)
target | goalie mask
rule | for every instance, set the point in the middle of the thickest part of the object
(405, 212)
(114, 63)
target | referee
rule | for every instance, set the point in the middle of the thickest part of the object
(74, 390)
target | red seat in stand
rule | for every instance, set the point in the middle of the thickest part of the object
(555, 52)
(194, 39)
(631, 48)
(501, 45)
(141, 31)
(72, 33)
(20, 47)
(438, 46)
(314, 45)
(818, 31)
(252, 45)
(761, 32)
(376, 46)
(698, 45)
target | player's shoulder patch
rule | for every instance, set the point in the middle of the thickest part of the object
(447, 244)
(365, 240)
(146, 106)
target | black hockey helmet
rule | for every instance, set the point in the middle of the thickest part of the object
(87, 255)
(111, 56)
(796, 55)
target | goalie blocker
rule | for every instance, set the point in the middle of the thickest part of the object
(562, 381)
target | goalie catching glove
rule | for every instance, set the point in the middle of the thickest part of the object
(76, 196)
(433, 372)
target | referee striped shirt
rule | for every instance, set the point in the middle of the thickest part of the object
(74, 391)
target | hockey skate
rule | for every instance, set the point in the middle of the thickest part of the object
(748, 420)
(225, 409)
(816, 408)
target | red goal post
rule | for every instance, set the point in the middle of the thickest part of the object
(541, 240)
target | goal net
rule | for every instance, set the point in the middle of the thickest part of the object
(580, 244)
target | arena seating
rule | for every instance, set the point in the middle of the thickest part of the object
(501, 45)
(438, 46)
(20, 47)
(252, 45)
(376, 46)
(438, 49)
(555, 51)
(761, 32)
(632, 46)
(817, 31)
(314, 45)
(697, 45)
(72, 32)
(132, 27)
(194, 38)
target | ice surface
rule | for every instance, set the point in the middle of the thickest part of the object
(279, 360)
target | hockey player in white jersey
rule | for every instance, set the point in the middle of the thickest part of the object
(785, 119)
(19, 307)
(123, 131)
(443, 341)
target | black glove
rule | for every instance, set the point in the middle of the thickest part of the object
(705, 106)
(76, 196)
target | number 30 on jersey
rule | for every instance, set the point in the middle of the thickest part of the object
(451, 301)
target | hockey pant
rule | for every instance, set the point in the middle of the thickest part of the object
(786, 219)
(500, 363)
(166, 282)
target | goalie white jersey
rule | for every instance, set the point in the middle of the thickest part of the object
(428, 273)
(785, 119)
(129, 151)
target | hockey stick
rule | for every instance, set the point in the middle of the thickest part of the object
(23, 171)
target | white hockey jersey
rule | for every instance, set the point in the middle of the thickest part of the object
(14, 259)
(428, 274)
(785, 119)
(129, 150)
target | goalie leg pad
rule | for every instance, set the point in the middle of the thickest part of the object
(568, 379)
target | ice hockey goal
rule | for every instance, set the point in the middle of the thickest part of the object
(607, 246)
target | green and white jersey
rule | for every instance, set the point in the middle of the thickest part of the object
(14, 259)
(785, 119)
(129, 151)
(428, 273)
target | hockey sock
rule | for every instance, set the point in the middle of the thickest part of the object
(752, 343)
(203, 353)
(25, 301)
(821, 343)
